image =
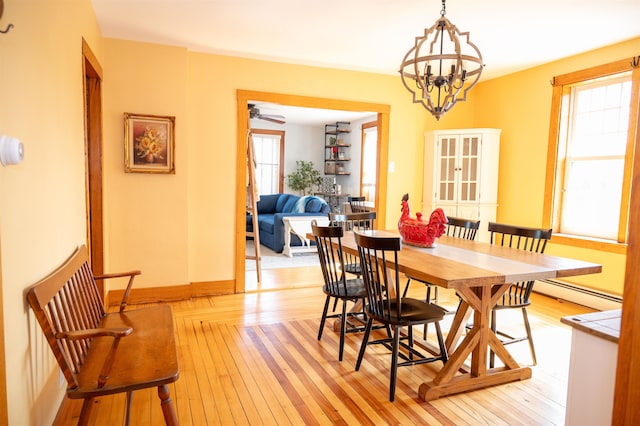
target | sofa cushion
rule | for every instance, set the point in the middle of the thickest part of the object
(315, 205)
(267, 203)
(290, 204)
(311, 204)
(266, 223)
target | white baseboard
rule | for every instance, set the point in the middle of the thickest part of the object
(580, 295)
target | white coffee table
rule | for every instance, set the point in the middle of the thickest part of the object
(300, 226)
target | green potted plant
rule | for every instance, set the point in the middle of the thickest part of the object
(304, 177)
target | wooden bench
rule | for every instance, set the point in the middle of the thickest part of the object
(104, 353)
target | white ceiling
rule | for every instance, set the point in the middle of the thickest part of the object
(372, 35)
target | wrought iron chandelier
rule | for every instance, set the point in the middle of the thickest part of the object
(439, 70)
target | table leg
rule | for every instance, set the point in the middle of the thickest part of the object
(287, 239)
(476, 343)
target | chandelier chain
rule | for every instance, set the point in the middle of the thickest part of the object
(444, 8)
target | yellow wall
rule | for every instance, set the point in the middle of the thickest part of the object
(145, 214)
(194, 210)
(42, 200)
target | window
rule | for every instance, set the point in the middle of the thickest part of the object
(269, 152)
(368, 163)
(591, 144)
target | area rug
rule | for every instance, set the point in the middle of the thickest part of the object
(273, 260)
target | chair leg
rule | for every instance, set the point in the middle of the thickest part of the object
(394, 363)
(406, 288)
(443, 348)
(343, 327)
(529, 336)
(363, 345)
(410, 335)
(168, 411)
(87, 404)
(128, 408)
(324, 316)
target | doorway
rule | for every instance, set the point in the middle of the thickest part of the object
(93, 162)
(243, 98)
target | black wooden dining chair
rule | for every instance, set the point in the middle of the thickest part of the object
(517, 296)
(353, 222)
(385, 305)
(357, 204)
(336, 286)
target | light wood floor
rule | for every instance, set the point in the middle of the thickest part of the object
(254, 359)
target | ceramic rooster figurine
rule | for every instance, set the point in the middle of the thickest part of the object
(415, 231)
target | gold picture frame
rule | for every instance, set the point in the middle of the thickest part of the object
(149, 143)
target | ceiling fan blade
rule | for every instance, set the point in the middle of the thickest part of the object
(271, 119)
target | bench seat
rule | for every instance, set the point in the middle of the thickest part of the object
(151, 342)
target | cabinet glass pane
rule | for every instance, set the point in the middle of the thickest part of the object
(443, 191)
(473, 169)
(474, 146)
(468, 174)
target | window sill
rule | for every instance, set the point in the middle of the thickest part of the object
(589, 243)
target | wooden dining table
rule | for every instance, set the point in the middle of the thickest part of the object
(480, 273)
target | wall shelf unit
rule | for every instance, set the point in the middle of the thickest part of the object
(336, 148)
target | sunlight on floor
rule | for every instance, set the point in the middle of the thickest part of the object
(278, 279)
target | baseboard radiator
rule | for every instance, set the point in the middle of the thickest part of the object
(582, 296)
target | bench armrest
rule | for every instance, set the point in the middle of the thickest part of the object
(117, 333)
(125, 296)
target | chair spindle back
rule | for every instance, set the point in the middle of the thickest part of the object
(462, 228)
(521, 238)
(331, 256)
(357, 204)
(378, 258)
(74, 306)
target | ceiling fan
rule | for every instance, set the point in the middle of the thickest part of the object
(254, 112)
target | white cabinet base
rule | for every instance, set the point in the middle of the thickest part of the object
(592, 375)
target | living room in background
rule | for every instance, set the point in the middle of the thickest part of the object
(269, 152)
(592, 142)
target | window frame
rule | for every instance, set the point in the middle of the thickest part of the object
(363, 131)
(554, 166)
(281, 134)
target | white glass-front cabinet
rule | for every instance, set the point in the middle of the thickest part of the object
(461, 174)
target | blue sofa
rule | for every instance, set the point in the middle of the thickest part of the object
(272, 208)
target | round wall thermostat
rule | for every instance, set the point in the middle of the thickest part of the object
(11, 150)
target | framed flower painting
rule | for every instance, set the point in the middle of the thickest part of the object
(149, 143)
